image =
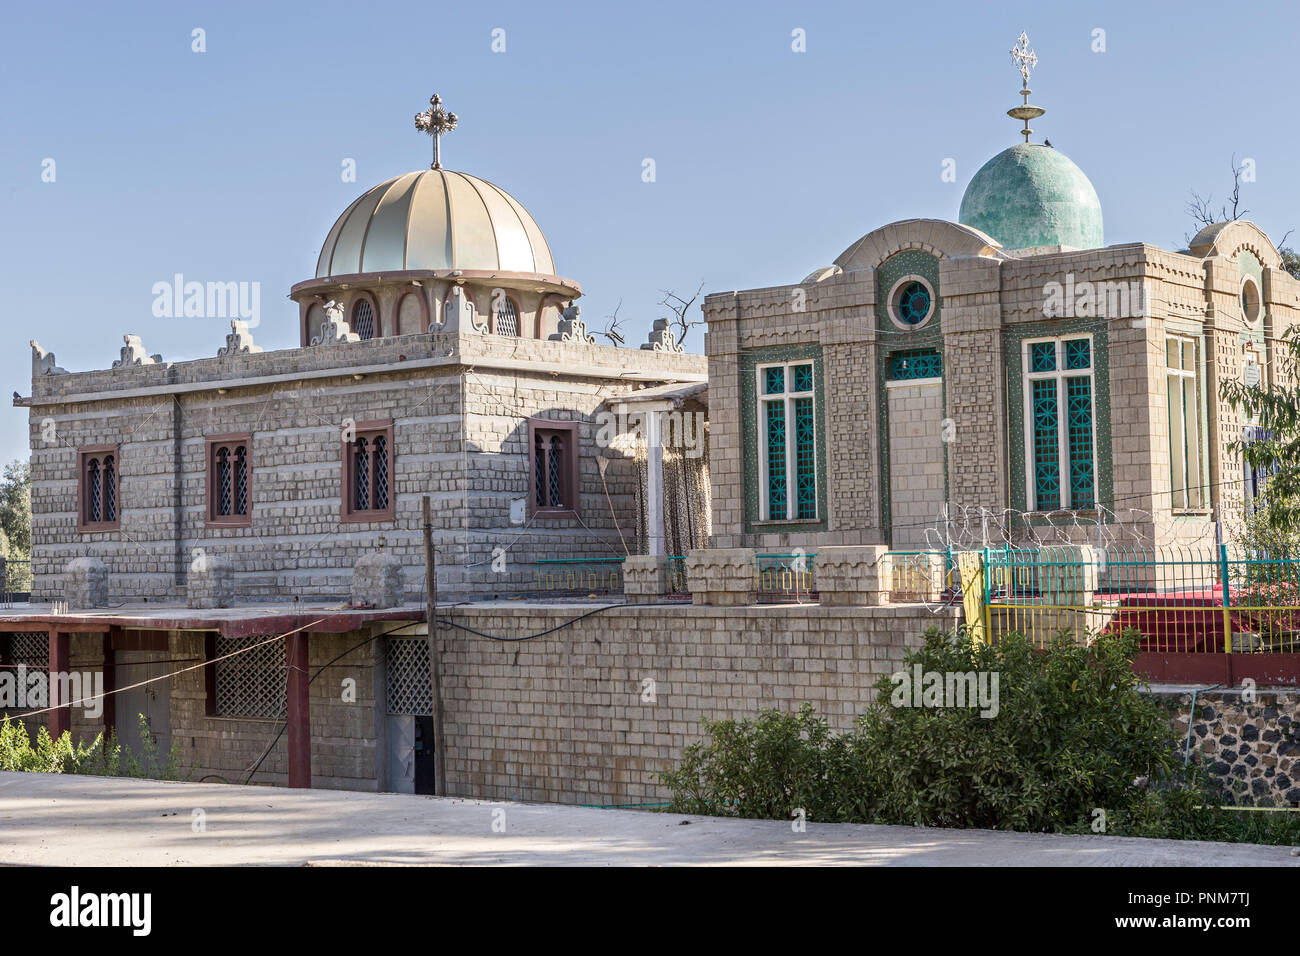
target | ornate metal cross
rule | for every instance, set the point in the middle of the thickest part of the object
(435, 121)
(1024, 58)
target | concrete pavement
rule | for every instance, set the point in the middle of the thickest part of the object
(51, 819)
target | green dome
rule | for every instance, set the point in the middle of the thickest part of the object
(1033, 195)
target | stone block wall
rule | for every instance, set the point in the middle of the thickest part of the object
(1252, 749)
(593, 712)
(459, 406)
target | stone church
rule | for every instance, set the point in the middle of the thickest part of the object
(440, 353)
(999, 371)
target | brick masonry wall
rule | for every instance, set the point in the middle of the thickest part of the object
(562, 718)
(916, 463)
(460, 435)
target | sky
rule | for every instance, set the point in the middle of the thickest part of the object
(227, 165)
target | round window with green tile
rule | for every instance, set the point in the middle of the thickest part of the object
(911, 302)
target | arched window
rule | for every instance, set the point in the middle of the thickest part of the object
(229, 464)
(368, 461)
(97, 489)
(505, 315)
(363, 319)
(554, 467)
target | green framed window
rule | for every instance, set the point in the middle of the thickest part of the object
(787, 442)
(1060, 433)
(1184, 424)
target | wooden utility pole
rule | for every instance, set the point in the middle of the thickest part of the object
(435, 654)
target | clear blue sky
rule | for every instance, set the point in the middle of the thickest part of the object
(225, 165)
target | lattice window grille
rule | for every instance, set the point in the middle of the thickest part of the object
(29, 648)
(507, 319)
(362, 499)
(381, 473)
(110, 489)
(915, 363)
(93, 470)
(363, 320)
(409, 690)
(253, 683)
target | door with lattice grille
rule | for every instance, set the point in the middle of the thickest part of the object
(409, 705)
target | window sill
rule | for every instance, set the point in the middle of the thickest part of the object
(769, 523)
(97, 528)
(1191, 512)
(370, 517)
(216, 524)
(544, 514)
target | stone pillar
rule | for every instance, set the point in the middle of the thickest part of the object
(298, 710)
(647, 578)
(210, 582)
(377, 579)
(721, 577)
(856, 575)
(85, 583)
(1067, 581)
(61, 715)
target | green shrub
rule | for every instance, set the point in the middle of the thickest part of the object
(1073, 734)
(101, 757)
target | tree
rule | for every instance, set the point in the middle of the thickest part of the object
(1201, 209)
(1276, 407)
(16, 509)
(681, 322)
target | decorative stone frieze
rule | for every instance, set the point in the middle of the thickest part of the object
(134, 354)
(239, 341)
(335, 329)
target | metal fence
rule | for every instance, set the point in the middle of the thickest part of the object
(782, 578)
(1193, 600)
(579, 577)
(15, 581)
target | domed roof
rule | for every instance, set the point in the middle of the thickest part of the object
(1033, 195)
(435, 219)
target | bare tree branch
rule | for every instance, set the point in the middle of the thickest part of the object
(681, 322)
(614, 325)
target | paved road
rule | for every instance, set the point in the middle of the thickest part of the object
(48, 819)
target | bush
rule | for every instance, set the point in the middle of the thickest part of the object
(1073, 734)
(101, 757)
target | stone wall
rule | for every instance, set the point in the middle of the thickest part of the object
(591, 713)
(459, 406)
(1252, 749)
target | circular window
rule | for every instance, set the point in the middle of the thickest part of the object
(1250, 302)
(911, 302)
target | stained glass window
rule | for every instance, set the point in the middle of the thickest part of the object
(788, 442)
(912, 305)
(1059, 398)
(915, 363)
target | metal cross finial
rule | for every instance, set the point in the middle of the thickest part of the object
(435, 121)
(1024, 58)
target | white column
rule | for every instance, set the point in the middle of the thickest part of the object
(654, 483)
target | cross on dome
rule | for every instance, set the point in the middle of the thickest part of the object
(435, 121)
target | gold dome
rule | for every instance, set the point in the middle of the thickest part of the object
(435, 219)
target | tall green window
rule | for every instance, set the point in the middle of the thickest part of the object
(1060, 429)
(787, 438)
